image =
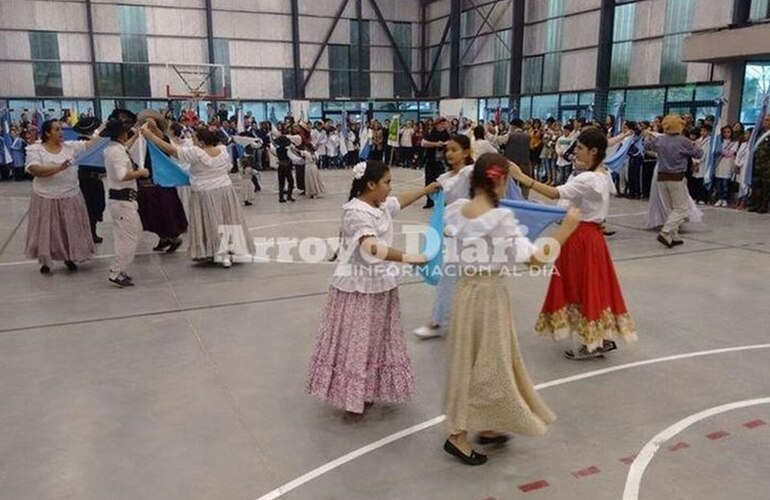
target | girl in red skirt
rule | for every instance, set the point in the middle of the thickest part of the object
(584, 297)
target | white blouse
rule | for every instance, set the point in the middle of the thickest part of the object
(456, 185)
(118, 163)
(356, 270)
(590, 192)
(63, 184)
(489, 242)
(206, 172)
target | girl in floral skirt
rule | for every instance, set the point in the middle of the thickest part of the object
(360, 355)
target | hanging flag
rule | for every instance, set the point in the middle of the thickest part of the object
(273, 119)
(7, 140)
(138, 151)
(534, 218)
(93, 157)
(241, 126)
(38, 118)
(715, 146)
(166, 172)
(590, 113)
(620, 112)
(434, 242)
(616, 161)
(395, 128)
(753, 143)
(363, 135)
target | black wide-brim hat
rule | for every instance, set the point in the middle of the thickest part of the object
(87, 125)
(121, 111)
(114, 128)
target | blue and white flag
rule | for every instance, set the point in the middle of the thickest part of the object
(93, 157)
(513, 191)
(714, 153)
(166, 172)
(363, 135)
(434, 242)
(753, 142)
(69, 134)
(620, 112)
(535, 217)
(618, 158)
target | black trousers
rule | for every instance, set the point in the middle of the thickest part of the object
(300, 171)
(285, 181)
(648, 169)
(634, 184)
(433, 170)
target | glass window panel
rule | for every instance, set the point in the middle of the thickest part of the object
(644, 104)
(587, 98)
(621, 64)
(316, 110)
(44, 45)
(569, 99)
(47, 78)
(545, 106)
(360, 83)
(624, 22)
(109, 79)
(551, 72)
(701, 113)
(708, 92)
(136, 80)
(288, 83)
(133, 48)
(678, 94)
(340, 76)
(755, 84)
(278, 110)
(672, 69)
(525, 113)
(533, 71)
(257, 110)
(679, 15)
(501, 68)
(132, 19)
(760, 9)
(402, 33)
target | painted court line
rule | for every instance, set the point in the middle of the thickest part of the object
(634, 478)
(328, 467)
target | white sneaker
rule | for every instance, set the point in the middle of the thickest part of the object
(227, 263)
(427, 332)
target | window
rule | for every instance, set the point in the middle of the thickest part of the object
(135, 78)
(755, 84)
(623, 35)
(288, 84)
(500, 75)
(708, 92)
(545, 106)
(644, 104)
(533, 74)
(46, 68)
(123, 80)
(760, 9)
(360, 81)
(402, 33)
(221, 56)
(434, 88)
(679, 14)
(525, 112)
(340, 74)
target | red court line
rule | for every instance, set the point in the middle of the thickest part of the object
(588, 471)
(628, 460)
(717, 435)
(537, 485)
(679, 446)
(754, 424)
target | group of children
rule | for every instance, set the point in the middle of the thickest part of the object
(360, 357)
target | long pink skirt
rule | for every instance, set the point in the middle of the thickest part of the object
(58, 229)
(360, 354)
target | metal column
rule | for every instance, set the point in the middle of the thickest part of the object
(517, 55)
(299, 88)
(92, 49)
(604, 59)
(358, 90)
(210, 34)
(454, 52)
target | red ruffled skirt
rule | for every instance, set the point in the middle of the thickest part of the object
(584, 296)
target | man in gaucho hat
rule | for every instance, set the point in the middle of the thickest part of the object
(90, 179)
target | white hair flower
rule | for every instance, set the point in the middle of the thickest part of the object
(359, 170)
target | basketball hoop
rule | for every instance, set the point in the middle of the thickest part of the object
(195, 82)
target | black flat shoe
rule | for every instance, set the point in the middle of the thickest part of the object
(174, 245)
(663, 241)
(676, 243)
(292, 200)
(45, 270)
(608, 346)
(71, 265)
(98, 240)
(583, 354)
(281, 200)
(485, 440)
(472, 459)
(162, 245)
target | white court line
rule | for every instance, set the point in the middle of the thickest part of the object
(639, 465)
(283, 489)
(95, 257)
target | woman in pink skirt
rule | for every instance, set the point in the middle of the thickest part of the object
(360, 355)
(58, 226)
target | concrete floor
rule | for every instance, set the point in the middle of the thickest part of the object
(190, 385)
